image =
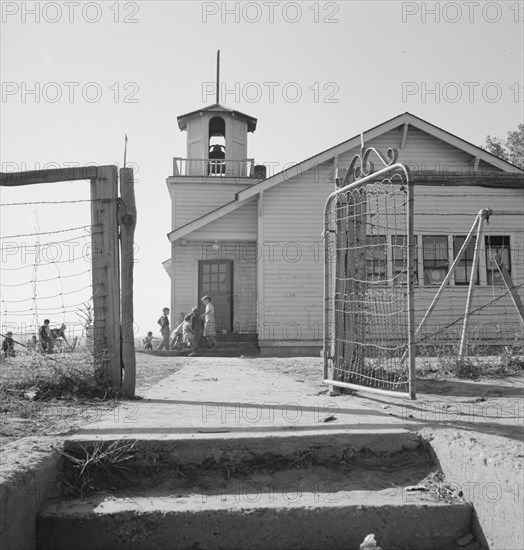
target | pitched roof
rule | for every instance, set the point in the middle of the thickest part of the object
(217, 108)
(242, 197)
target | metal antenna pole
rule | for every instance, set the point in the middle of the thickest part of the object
(218, 76)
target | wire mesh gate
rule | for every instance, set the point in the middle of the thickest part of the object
(369, 251)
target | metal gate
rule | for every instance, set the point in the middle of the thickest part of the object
(369, 254)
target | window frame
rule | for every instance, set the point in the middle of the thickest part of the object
(397, 280)
(372, 248)
(465, 261)
(445, 262)
(493, 275)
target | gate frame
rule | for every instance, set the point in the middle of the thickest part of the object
(361, 170)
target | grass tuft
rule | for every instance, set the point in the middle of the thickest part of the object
(88, 469)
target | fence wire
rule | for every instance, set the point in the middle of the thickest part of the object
(45, 269)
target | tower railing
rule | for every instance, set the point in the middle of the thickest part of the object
(219, 168)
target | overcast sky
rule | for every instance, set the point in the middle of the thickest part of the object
(77, 76)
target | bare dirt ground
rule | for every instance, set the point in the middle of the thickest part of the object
(47, 396)
(491, 404)
(32, 406)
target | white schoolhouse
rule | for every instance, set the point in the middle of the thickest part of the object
(254, 242)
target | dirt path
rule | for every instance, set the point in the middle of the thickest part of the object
(487, 405)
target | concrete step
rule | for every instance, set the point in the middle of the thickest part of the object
(279, 519)
(158, 451)
(312, 490)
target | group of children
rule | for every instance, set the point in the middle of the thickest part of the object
(193, 330)
(47, 341)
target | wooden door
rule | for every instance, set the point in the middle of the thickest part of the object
(215, 279)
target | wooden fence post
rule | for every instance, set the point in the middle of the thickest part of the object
(106, 273)
(127, 221)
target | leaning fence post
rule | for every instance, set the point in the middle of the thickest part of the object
(127, 222)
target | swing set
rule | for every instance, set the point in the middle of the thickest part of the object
(476, 232)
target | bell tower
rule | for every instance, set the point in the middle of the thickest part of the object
(217, 140)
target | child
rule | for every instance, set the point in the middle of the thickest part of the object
(148, 341)
(32, 343)
(8, 345)
(188, 335)
(46, 342)
(209, 321)
(164, 329)
(59, 333)
(177, 334)
(198, 329)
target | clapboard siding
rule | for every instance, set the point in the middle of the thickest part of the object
(421, 152)
(293, 260)
(241, 223)
(455, 208)
(184, 278)
(194, 200)
(244, 294)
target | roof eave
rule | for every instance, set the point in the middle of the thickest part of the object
(217, 108)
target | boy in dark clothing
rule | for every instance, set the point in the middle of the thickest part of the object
(46, 342)
(148, 341)
(197, 324)
(164, 329)
(8, 345)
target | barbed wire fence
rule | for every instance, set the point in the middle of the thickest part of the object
(46, 275)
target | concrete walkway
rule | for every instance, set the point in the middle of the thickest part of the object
(234, 395)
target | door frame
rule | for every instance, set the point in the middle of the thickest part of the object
(230, 291)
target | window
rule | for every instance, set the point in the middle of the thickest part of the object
(464, 266)
(214, 277)
(497, 245)
(399, 253)
(435, 258)
(376, 258)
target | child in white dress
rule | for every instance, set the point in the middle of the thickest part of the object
(209, 322)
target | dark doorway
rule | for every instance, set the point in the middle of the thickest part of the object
(215, 278)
